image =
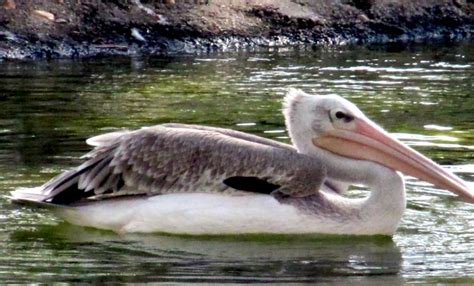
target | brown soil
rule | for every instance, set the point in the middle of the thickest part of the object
(75, 28)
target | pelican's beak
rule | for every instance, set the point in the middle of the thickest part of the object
(367, 141)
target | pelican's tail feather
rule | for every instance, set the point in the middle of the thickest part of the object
(30, 196)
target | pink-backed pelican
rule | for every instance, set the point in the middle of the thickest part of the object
(190, 179)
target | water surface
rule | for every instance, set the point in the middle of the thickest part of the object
(420, 94)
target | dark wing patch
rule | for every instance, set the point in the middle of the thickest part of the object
(70, 195)
(251, 184)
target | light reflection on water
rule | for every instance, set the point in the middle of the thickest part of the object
(423, 96)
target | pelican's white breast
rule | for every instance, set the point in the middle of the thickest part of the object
(207, 213)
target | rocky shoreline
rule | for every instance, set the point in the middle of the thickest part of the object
(44, 29)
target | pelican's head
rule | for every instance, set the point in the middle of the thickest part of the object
(337, 127)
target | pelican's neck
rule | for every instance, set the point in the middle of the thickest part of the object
(384, 207)
(382, 210)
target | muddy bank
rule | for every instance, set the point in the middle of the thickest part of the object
(79, 28)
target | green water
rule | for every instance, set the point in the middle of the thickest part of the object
(423, 95)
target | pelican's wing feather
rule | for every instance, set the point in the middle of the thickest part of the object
(186, 158)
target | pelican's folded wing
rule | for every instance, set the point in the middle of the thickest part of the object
(186, 158)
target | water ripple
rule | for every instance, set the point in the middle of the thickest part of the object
(48, 108)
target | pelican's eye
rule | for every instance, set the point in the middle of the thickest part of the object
(340, 115)
(346, 117)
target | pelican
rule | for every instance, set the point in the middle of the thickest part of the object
(190, 179)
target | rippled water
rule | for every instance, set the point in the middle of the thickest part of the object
(420, 94)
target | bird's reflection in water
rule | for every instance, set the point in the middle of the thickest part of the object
(106, 256)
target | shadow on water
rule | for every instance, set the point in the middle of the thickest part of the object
(88, 255)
